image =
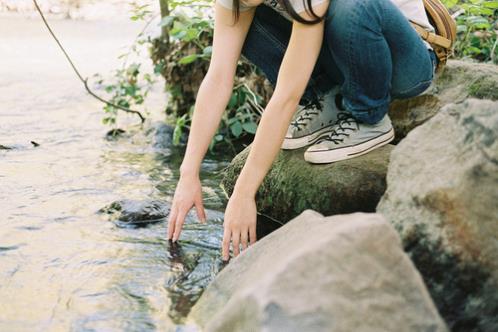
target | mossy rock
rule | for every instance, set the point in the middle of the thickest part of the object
(293, 185)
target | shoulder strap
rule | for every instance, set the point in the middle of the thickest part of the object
(431, 37)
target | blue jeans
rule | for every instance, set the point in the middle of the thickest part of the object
(369, 48)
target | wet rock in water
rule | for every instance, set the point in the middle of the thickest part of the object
(132, 213)
(340, 273)
(293, 185)
(163, 136)
(4, 147)
(442, 198)
(459, 81)
(115, 133)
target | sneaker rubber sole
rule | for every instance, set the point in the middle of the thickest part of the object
(300, 142)
(333, 155)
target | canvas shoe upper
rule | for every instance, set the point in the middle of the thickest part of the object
(312, 120)
(349, 138)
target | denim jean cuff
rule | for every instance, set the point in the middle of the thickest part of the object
(371, 116)
(318, 86)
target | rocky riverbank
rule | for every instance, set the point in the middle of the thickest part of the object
(433, 213)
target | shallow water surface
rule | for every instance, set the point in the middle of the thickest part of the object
(63, 265)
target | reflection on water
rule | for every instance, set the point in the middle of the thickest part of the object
(64, 265)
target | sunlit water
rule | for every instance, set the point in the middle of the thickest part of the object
(64, 266)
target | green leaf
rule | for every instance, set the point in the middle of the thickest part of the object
(236, 129)
(190, 34)
(491, 4)
(233, 101)
(250, 127)
(188, 59)
(166, 21)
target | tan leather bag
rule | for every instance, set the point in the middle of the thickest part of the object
(443, 40)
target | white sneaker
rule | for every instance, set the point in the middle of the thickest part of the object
(348, 139)
(312, 120)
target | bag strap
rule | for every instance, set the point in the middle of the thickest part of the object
(431, 37)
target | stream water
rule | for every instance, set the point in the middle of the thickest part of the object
(64, 266)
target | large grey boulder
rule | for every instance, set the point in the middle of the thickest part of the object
(442, 197)
(293, 185)
(460, 80)
(340, 273)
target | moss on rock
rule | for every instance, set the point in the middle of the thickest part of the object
(293, 185)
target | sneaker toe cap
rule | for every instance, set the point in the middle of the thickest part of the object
(318, 147)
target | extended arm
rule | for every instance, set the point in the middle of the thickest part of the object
(296, 68)
(216, 87)
(211, 101)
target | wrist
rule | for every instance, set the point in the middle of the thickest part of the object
(189, 172)
(244, 191)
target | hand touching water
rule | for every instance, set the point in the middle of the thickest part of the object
(188, 193)
(239, 224)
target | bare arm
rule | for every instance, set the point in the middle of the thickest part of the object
(211, 101)
(295, 71)
(216, 87)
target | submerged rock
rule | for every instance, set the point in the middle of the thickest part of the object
(293, 185)
(442, 198)
(114, 134)
(132, 213)
(459, 81)
(163, 136)
(4, 147)
(340, 273)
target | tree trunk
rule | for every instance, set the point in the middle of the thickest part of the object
(164, 12)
